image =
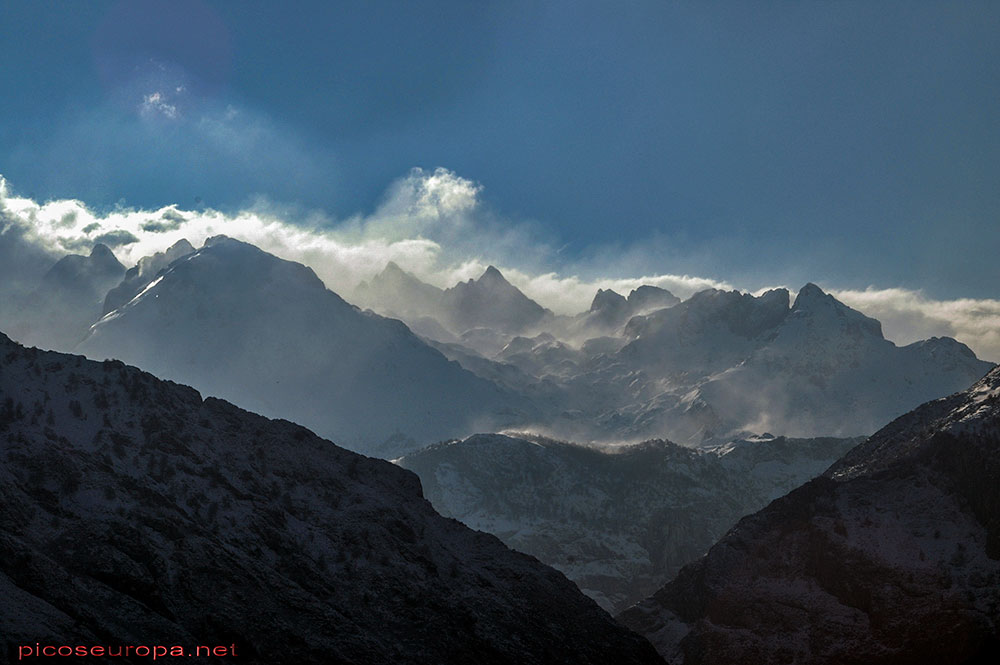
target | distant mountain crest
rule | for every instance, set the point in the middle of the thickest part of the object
(144, 272)
(242, 324)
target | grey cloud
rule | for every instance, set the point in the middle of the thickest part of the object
(116, 238)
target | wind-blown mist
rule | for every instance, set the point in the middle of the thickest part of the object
(434, 225)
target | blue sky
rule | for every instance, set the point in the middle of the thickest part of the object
(851, 144)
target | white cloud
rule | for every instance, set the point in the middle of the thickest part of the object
(908, 316)
(432, 224)
(156, 104)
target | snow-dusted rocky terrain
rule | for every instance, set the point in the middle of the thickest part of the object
(892, 556)
(620, 522)
(135, 512)
(239, 323)
(699, 371)
(244, 325)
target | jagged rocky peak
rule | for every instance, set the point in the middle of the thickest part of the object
(150, 265)
(272, 338)
(102, 256)
(392, 268)
(493, 275)
(742, 314)
(892, 556)
(100, 265)
(397, 293)
(822, 310)
(57, 313)
(648, 298)
(135, 509)
(492, 302)
(606, 299)
(143, 272)
(395, 275)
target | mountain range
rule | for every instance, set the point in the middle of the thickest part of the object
(58, 312)
(265, 333)
(701, 371)
(243, 325)
(114, 479)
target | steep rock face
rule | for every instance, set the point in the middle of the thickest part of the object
(57, 314)
(619, 522)
(648, 298)
(893, 556)
(711, 331)
(142, 273)
(134, 512)
(491, 302)
(489, 306)
(610, 311)
(241, 324)
(828, 368)
(725, 361)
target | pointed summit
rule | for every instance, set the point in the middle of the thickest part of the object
(810, 294)
(270, 335)
(69, 298)
(606, 299)
(492, 302)
(392, 267)
(493, 275)
(102, 253)
(395, 276)
(829, 314)
(399, 294)
(180, 248)
(143, 272)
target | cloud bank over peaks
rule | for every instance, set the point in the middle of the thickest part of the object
(434, 224)
(908, 315)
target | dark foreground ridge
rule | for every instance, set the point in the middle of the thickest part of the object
(136, 513)
(892, 556)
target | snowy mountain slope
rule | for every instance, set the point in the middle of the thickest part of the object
(489, 303)
(142, 273)
(134, 512)
(698, 371)
(618, 522)
(58, 311)
(828, 368)
(723, 362)
(609, 311)
(265, 333)
(893, 556)
(648, 298)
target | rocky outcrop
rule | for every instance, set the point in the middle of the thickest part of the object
(135, 512)
(892, 556)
